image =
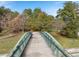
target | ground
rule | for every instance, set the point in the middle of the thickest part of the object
(66, 42)
(7, 44)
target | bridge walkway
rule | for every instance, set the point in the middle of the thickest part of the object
(37, 47)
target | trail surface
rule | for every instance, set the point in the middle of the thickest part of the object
(37, 47)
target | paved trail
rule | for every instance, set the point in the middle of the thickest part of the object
(37, 47)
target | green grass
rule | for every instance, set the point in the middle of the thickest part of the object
(7, 44)
(66, 42)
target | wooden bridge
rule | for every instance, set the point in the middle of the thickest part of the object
(38, 44)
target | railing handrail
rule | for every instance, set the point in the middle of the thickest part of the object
(57, 44)
(22, 41)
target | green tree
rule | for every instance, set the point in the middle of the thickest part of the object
(14, 14)
(38, 20)
(69, 15)
(27, 12)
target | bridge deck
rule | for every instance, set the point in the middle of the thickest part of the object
(37, 47)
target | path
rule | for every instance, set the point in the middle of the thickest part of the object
(37, 47)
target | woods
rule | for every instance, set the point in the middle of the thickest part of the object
(6, 15)
(66, 21)
(29, 20)
(37, 20)
(69, 15)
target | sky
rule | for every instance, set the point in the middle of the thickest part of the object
(50, 7)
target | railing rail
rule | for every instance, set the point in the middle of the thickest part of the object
(55, 45)
(18, 49)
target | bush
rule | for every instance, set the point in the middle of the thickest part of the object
(1, 29)
(69, 32)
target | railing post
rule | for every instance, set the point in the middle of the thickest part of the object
(56, 47)
(18, 49)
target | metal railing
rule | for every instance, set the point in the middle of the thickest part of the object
(18, 49)
(56, 47)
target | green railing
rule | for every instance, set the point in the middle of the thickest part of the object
(56, 47)
(18, 49)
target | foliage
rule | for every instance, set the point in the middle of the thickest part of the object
(69, 15)
(6, 15)
(37, 20)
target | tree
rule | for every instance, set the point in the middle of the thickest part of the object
(14, 14)
(37, 20)
(69, 16)
(58, 25)
(27, 12)
(27, 16)
(36, 12)
(6, 15)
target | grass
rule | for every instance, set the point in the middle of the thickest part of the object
(66, 42)
(7, 44)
